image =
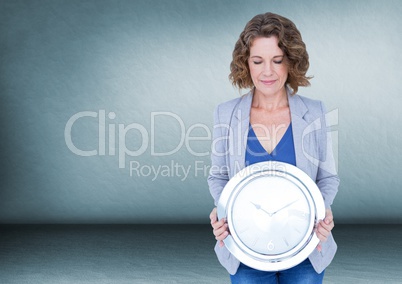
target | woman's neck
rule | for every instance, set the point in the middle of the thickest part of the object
(270, 102)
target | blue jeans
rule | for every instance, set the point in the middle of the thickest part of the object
(303, 273)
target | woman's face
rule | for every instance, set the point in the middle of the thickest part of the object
(268, 68)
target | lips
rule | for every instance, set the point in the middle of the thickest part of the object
(268, 82)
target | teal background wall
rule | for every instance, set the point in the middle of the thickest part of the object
(143, 77)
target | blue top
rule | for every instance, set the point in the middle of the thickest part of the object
(283, 152)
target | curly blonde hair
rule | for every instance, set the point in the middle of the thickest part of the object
(289, 41)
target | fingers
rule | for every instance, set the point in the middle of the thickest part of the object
(323, 230)
(329, 219)
(213, 216)
(324, 227)
(220, 227)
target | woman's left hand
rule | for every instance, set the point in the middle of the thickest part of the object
(324, 227)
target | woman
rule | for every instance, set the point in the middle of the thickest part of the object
(272, 122)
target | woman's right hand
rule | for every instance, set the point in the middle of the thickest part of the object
(220, 227)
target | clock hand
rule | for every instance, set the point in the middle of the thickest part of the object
(287, 205)
(260, 208)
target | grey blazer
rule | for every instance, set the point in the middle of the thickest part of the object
(313, 150)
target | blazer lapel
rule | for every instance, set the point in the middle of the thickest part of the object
(238, 133)
(297, 111)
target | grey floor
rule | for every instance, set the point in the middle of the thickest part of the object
(170, 254)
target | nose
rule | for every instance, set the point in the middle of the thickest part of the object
(268, 69)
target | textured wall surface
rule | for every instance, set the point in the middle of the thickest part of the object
(100, 102)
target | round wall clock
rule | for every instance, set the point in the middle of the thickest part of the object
(271, 209)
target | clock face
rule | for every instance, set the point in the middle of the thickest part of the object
(270, 216)
(271, 209)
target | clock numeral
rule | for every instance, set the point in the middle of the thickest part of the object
(270, 245)
(299, 214)
(242, 229)
(255, 241)
(286, 241)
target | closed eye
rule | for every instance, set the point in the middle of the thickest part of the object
(257, 62)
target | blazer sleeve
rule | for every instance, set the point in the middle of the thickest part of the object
(219, 171)
(327, 179)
